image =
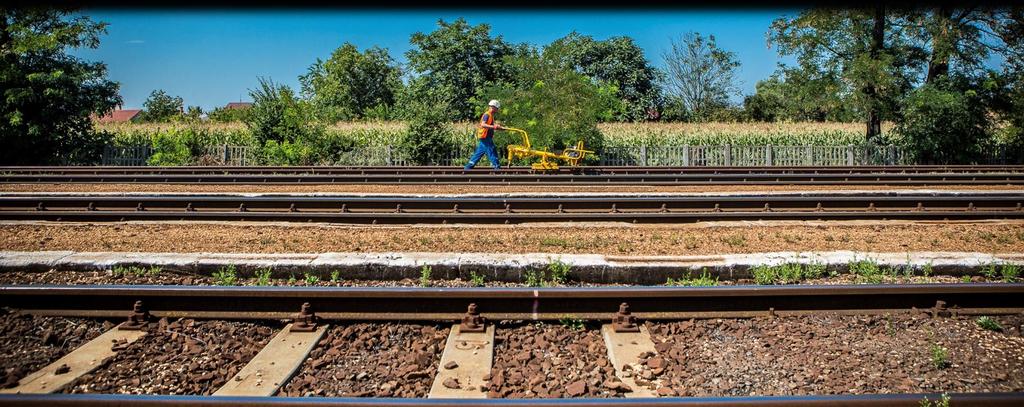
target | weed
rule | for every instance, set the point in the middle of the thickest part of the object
(942, 402)
(534, 278)
(815, 270)
(764, 275)
(425, 276)
(987, 322)
(554, 241)
(476, 279)
(965, 279)
(889, 328)
(940, 356)
(927, 270)
(263, 276)
(1010, 273)
(704, 280)
(989, 271)
(291, 279)
(311, 279)
(867, 271)
(572, 323)
(335, 276)
(225, 276)
(559, 272)
(735, 240)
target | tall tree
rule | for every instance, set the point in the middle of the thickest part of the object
(48, 95)
(351, 82)
(161, 107)
(868, 48)
(617, 60)
(700, 74)
(462, 58)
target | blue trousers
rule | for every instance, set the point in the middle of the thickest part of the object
(485, 146)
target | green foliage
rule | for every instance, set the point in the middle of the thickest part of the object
(225, 115)
(927, 270)
(47, 95)
(867, 271)
(534, 278)
(941, 402)
(124, 271)
(462, 59)
(940, 356)
(990, 271)
(788, 273)
(476, 279)
(704, 280)
(559, 272)
(989, 323)
(225, 275)
(944, 123)
(350, 84)
(617, 61)
(573, 323)
(1010, 272)
(277, 115)
(557, 106)
(263, 276)
(161, 107)
(170, 150)
(335, 276)
(700, 74)
(425, 276)
(311, 278)
(795, 94)
(428, 137)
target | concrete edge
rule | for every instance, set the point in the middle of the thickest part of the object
(591, 268)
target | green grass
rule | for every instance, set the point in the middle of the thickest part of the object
(940, 356)
(335, 276)
(225, 276)
(534, 278)
(263, 276)
(476, 279)
(788, 273)
(425, 276)
(703, 280)
(559, 272)
(311, 278)
(990, 271)
(989, 323)
(735, 240)
(867, 271)
(1010, 273)
(124, 271)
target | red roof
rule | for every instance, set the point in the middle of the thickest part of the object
(239, 105)
(118, 116)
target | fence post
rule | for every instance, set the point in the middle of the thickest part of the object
(686, 155)
(728, 155)
(810, 155)
(849, 155)
(769, 160)
(388, 148)
(643, 156)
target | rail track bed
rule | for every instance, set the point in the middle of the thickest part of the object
(457, 209)
(385, 343)
(863, 175)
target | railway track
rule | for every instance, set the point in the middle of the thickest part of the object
(431, 304)
(877, 175)
(457, 209)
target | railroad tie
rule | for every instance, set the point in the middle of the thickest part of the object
(627, 342)
(467, 358)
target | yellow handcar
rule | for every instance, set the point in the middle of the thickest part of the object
(572, 155)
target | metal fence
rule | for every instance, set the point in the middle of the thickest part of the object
(696, 156)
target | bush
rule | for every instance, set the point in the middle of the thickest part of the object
(428, 136)
(169, 150)
(944, 123)
(278, 115)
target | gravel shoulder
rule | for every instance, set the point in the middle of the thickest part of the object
(371, 360)
(29, 343)
(685, 239)
(832, 354)
(178, 357)
(462, 189)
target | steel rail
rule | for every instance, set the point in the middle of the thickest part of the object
(872, 400)
(501, 178)
(591, 170)
(455, 209)
(437, 304)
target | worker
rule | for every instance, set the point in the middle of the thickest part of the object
(485, 133)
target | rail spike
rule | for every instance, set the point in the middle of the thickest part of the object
(137, 319)
(624, 321)
(472, 321)
(304, 321)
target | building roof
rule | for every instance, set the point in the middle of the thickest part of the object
(118, 116)
(239, 105)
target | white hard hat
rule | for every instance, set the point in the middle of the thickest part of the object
(495, 103)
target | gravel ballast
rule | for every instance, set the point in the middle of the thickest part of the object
(687, 239)
(831, 354)
(371, 360)
(551, 361)
(178, 357)
(29, 343)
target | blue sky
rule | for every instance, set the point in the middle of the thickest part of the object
(211, 57)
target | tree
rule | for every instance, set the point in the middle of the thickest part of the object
(869, 49)
(350, 83)
(946, 121)
(48, 95)
(617, 60)
(277, 115)
(161, 107)
(463, 58)
(796, 94)
(700, 74)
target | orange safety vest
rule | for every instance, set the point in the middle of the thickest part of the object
(481, 132)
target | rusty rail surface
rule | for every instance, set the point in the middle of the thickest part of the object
(874, 400)
(857, 175)
(437, 304)
(458, 209)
